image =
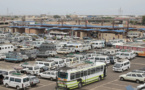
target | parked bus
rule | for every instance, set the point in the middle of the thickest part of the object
(137, 47)
(5, 48)
(79, 74)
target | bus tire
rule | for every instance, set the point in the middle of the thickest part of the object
(80, 85)
(99, 78)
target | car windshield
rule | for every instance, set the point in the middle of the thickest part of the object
(34, 78)
(111, 57)
(60, 62)
(143, 75)
(63, 75)
(25, 79)
(52, 64)
(35, 68)
(117, 65)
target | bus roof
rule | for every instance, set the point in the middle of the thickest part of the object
(81, 66)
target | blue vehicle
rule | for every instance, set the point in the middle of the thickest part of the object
(14, 57)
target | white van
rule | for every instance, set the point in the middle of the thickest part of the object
(98, 44)
(31, 69)
(52, 75)
(38, 43)
(104, 59)
(5, 48)
(127, 55)
(133, 34)
(59, 62)
(18, 81)
(121, 65)
(48, 64)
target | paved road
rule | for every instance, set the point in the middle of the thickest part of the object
(111, 82)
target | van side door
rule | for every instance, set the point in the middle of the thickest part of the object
(12, 82)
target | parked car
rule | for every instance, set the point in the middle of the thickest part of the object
(30, 69)
(4, 72)
(141, 87)
(18, 81)
(2, 56)
(113, 59)
(33, 80)
(52, 75)
(121, 65)
(133, 76)
(127, 55)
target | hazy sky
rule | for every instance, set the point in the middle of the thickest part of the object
(80, 7)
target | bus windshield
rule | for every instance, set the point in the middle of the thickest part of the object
(63, 75)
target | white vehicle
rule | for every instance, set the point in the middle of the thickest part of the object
(65, 50)
(31, 69)
(19, 38)
(72, 59)
(51, 53)
(100, 58)
(52, 75)
(5, 48)
(78, 47)
(17, 81)
(2, 36)
(2, 56)
(133, 76)
(59, 62)
(109, 51)
(127, 55)
(133, 34)
(117, 42)
(121, 65)
(37, 43)
(48, 64)
(141, 87)
(78, 74)
(98, 44)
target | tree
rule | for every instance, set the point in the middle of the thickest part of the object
(143, 20)
(56, 16)
(68, 16)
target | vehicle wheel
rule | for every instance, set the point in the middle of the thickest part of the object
(51, 79)
(122, 79)
(79, 85)
(18, 88)
(99, 78)
(137, 81)
(6, 85)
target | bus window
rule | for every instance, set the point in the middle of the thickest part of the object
(92, 70)
(0, 48)
(85, 73)
(72, 76)
(97, 69)
(101, 68)
(78, 75)
(82, 73)
(89, 71)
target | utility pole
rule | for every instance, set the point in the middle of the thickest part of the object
(102, 22)
(62, 23)
(127, 24)
(86, 22)
(113, 24)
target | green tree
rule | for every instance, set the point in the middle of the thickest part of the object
(56, 16)
(67, 16)
(143, 20)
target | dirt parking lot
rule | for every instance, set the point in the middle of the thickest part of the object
(111, 82)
